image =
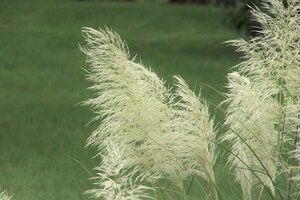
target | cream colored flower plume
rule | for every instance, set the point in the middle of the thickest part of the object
(272, 59)
(140, 116)
(119, 179)
(251, 117)
(4, 196)
(195, 133)
(132, 103)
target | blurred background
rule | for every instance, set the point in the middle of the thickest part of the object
(43, 129)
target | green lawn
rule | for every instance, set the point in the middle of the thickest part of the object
(42, 129)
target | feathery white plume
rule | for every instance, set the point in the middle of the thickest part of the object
(195, 136)
(272, 59)
(139, 115)
(4, 196)
(195, 132)
(132, 103)
(251, 118)
(119, 179)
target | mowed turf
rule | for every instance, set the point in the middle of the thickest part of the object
(42, 129)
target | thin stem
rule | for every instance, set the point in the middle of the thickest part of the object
(249, 168)
(263, 166)
(190, 186)
(291, 173)
(282, 131)
(294, 160)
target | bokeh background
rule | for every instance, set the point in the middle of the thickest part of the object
(43, 128)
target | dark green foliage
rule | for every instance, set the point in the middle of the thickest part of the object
(216, 2)
(190, 1)
(240, 17)
(106, 0)
(226, 2)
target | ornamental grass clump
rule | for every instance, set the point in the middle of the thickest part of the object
(263, 103)
(154, 139)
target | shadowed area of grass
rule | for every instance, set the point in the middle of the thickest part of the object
(42, 129)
